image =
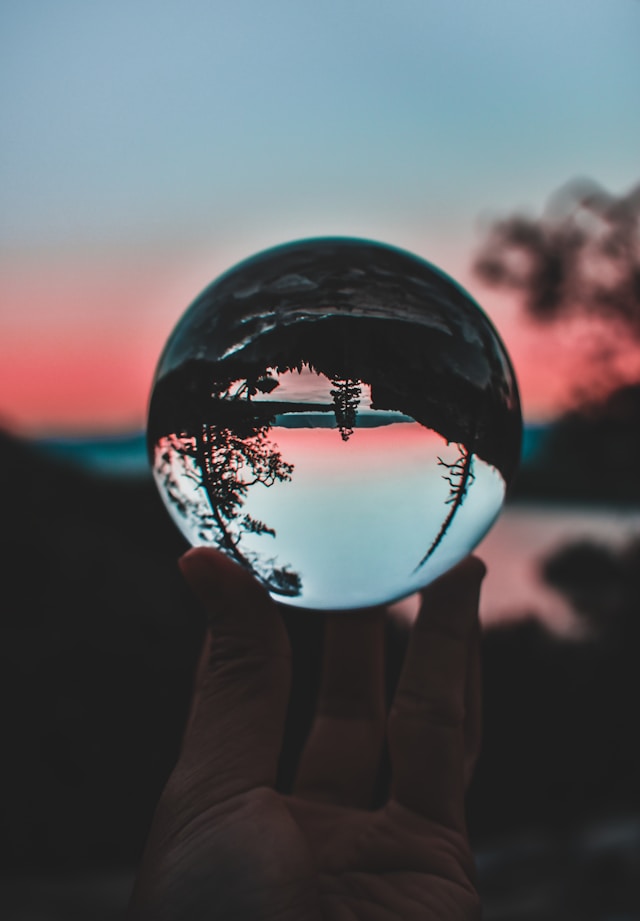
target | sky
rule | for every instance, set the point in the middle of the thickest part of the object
(146, 147)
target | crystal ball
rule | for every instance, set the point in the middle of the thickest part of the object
(339, 417)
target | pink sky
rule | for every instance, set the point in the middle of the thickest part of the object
(81, 338)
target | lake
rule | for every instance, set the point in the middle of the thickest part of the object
(522, 538)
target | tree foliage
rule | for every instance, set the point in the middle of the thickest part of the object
(346, 399)
(221, 464)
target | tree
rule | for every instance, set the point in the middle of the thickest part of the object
(346, 399)
(223, 463)
(459, 476)
(579, 259)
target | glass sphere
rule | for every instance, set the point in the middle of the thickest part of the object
(339, 417)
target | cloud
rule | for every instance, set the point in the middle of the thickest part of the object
(581, 257)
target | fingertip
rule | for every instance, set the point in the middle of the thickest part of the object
(473, 569)
(205, 563)
(468, 573)
(455, 592)
(218, 581)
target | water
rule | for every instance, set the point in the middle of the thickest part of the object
(125, 454)
(527, 535)
(118, 455)
(338, 417)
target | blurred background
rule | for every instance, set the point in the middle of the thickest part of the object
(146, 147)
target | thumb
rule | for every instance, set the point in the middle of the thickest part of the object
(234, 735)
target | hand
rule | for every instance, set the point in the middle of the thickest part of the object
(225, 845)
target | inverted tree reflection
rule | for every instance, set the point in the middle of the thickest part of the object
(221, 463)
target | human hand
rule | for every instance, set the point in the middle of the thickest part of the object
(225, 844)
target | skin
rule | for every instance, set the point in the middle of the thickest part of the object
(225, 844)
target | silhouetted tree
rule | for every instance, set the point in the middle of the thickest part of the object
(263, 383)
(580, 258)
(459, 476)
(231, 464)
(346, 399)
(207, 477)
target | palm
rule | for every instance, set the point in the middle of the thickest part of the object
(310, 861)
(387, 864)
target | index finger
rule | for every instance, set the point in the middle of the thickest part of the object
(426, 724)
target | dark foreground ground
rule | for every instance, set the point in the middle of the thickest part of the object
(98, 638)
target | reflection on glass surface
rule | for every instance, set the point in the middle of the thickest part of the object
(339, 417)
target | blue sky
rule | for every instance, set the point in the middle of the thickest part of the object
(129, 119)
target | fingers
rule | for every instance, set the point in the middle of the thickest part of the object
(234, 733)
(340, 760)
(432, 712)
